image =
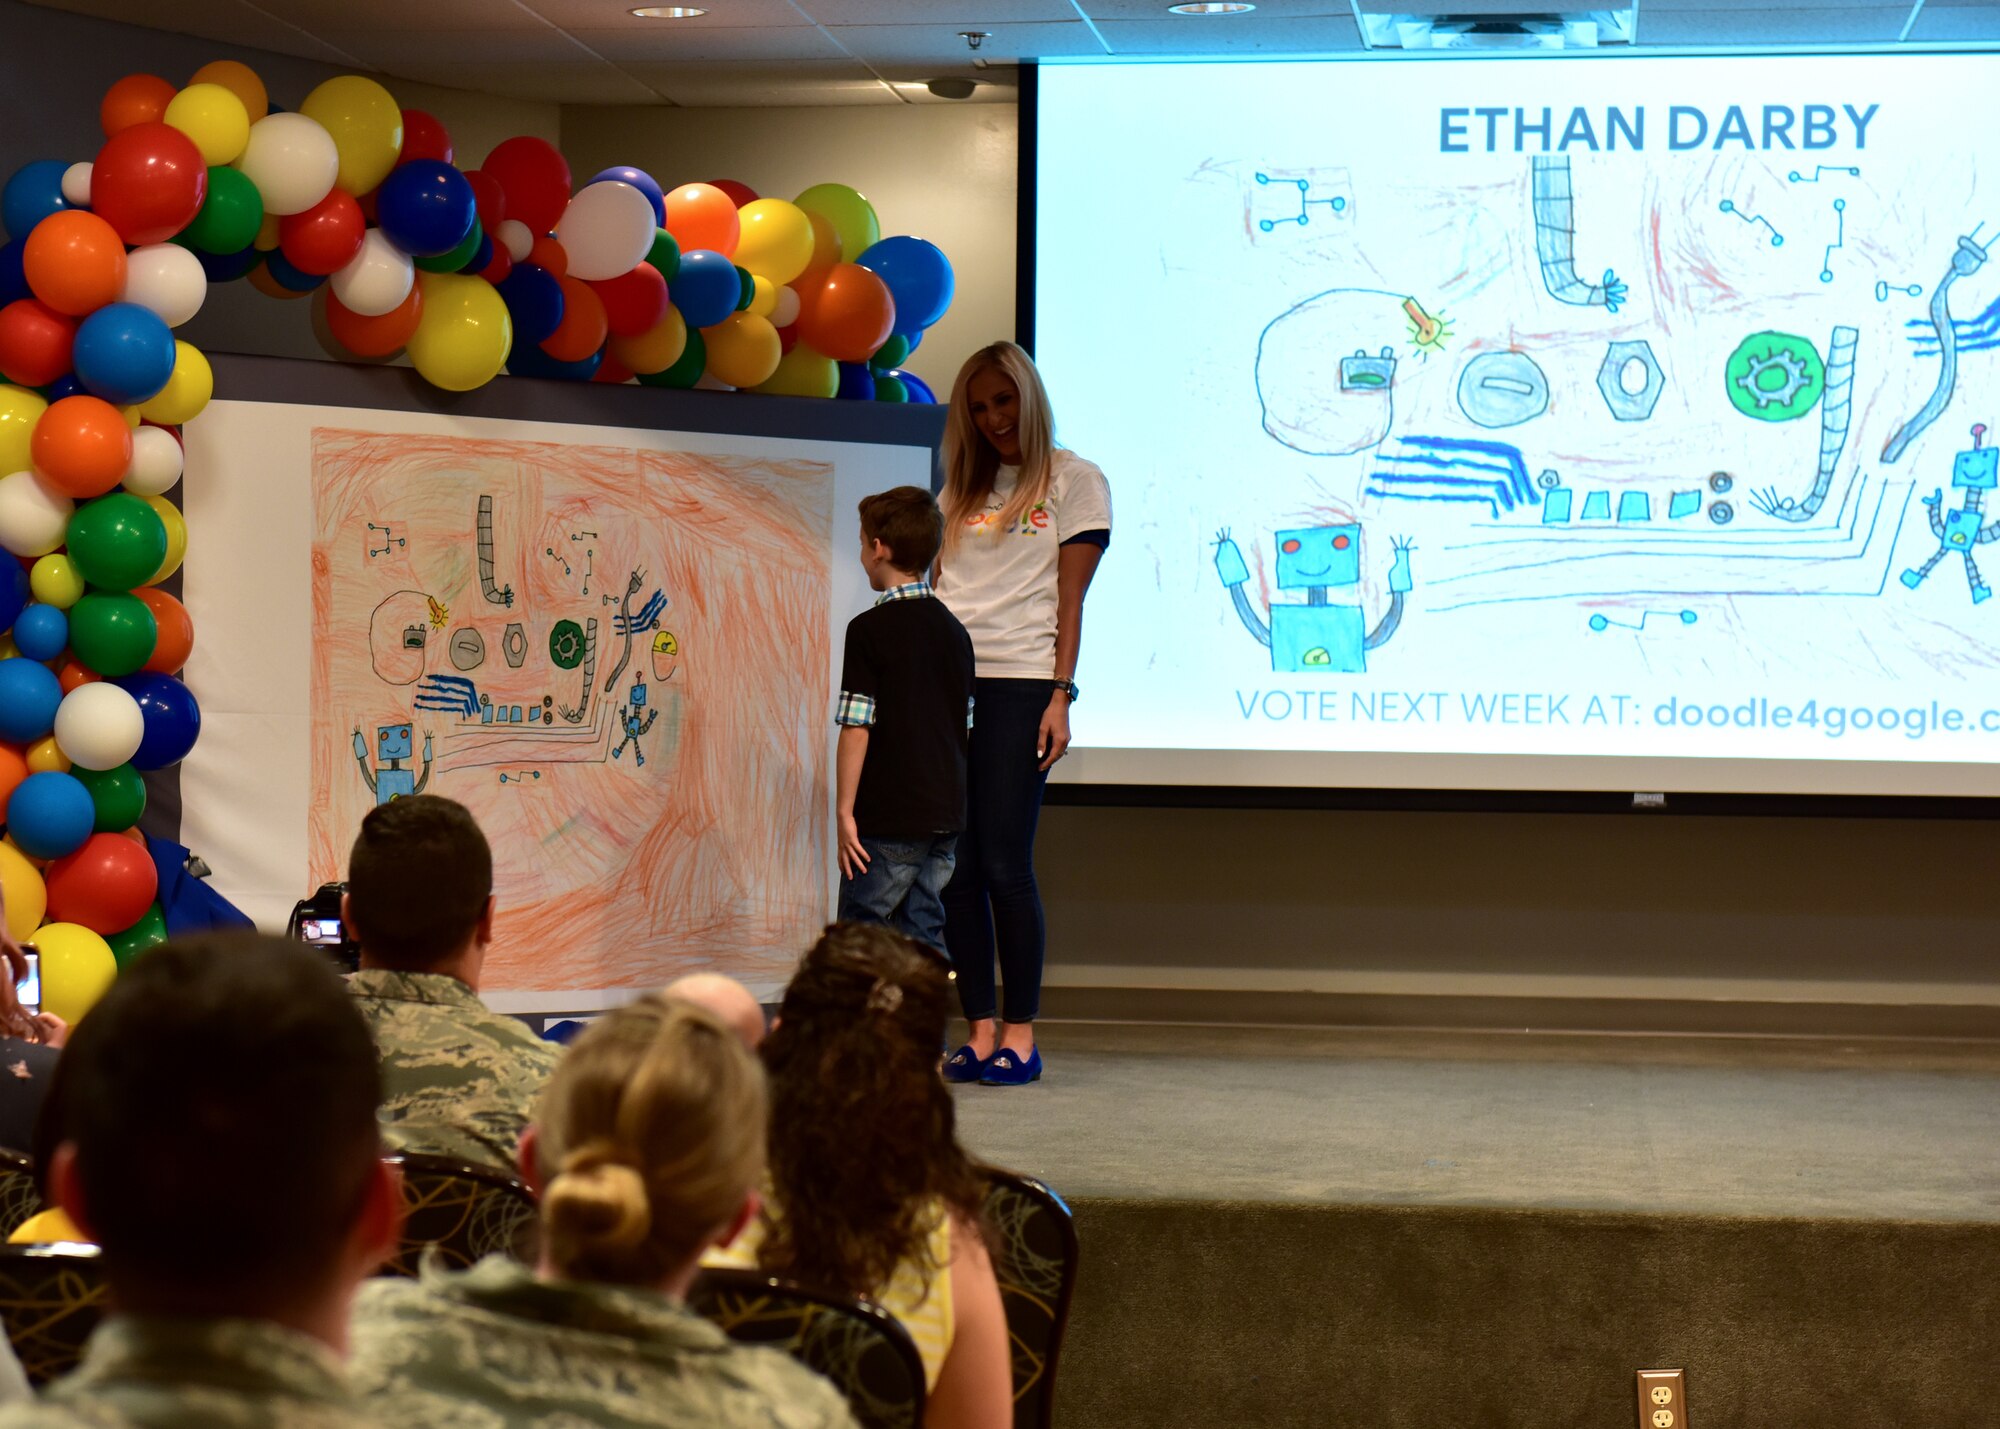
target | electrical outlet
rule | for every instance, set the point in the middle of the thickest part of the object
(1663, 1399)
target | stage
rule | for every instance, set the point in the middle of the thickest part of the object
(1317, 1227)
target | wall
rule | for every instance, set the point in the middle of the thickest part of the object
(941, 171)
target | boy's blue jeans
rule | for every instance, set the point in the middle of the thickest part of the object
(902, 886)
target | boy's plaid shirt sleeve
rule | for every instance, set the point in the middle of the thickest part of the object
(854, 711)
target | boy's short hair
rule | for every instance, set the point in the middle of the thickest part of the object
(907, 521)
(417, 881)
(221, 1098)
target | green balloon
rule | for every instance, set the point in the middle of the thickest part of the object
(458, 257)
(687, 370)
(748, 293)
(891, 354)
(149, 932)
(890, 389)
(852, 216)
(112, 632)
(666, 255)
(230, 216)
(117, 541)
(119, 796)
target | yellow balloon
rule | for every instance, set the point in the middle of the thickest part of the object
(764, 295)
(802, 372)
(214, 118)
(657, 348)
(186, 392)
(56, 581)
(8, 649)
(132, 416)
(776, 241)
(20, 409)
(177, 537)
(45, 757)
(463, 338)
(48, 1228)
(77, 968)
(240, 80)
(27, 896)
(366, 125)
(743, 349)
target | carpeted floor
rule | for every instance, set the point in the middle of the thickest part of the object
(1384, 1229)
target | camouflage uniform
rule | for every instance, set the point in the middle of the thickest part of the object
(494, 1348)
(154, 1373)
(457, 1080)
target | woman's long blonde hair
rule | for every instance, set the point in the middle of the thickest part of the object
(648, 1138)
(970, 461)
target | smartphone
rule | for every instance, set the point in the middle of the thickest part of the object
(28, 991)
(322, 932)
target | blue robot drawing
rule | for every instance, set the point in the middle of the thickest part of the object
(1974, 472)
(629, 716)
(1317, 637)
(392, 746)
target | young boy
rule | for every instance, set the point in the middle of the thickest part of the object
(905, 710)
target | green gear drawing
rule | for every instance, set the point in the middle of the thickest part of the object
(1774, 376)
(566, 644)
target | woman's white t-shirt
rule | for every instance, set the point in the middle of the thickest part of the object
(1002, 584)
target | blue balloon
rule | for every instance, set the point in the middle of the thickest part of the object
(227, 267)
(124, 353)
(707, 288)
(13, 273)
(14, 598)
(426, 207)
(50, 815)
(528, 360)
(66, 385)
(918, 277)
(173, 719)
(288, 275)
(481, 256)
(41, 631)
(857, 383)
(31, 195)
(919, 390)
(29, 694)
(644, 182)
(534, 301)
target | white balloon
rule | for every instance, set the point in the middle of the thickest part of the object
(707, 383)
(99, 726)
(76, 185)
(607, 230)
(291, 160)
(156, 462)
(787, 311)
(166, 278)
(376, 280)
(34, 516)
(517, 238)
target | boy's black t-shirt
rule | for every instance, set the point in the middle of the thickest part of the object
(914, 660)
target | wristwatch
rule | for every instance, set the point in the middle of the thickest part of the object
(1068, 687)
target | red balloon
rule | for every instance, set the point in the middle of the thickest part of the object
(611, 370)
(325, 238)
(378, 336)
(583, 327)
(75, 673)
(634, 302)
(135, 99)
(739, 194)
(486, 193)
(535, 179)
(548, 253)
(35, 342)
(503, 263)
(107, 885)
(423, 138)
(148, 182)
(788, 338)
(850, 316)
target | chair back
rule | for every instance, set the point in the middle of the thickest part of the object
(51, 1298)
(20, 1199)
(856, 1344)
(465, 1212)
(1034, 1259)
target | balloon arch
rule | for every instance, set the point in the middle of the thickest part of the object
(355, 204)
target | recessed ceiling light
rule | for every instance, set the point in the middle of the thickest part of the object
(1213, 7)
(668, 12)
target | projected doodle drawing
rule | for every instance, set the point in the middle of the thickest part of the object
(1318, 636)
(1968, 258)
(1555, 239)
(1974, 472)
(1833, 418)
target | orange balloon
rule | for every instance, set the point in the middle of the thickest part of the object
(583, 327)
(135, 99)
(826, 253)
(176, 640)
(74, 261)
(13, 769)
(240, 80)
(550, 254)
(75, 673)
(82, 446)
(850, 315)
(703, 216)
(263, 282)
(377, 336)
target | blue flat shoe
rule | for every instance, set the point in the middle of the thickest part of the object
(1006, 1069)
(963, 1066)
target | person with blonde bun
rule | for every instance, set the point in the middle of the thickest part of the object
(646, 1149)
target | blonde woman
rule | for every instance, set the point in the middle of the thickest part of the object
(1026, 523)
(645, 1149)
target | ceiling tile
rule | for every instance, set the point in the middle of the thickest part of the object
(1282, 11)
(1771, 27)
(616, 14)
(565, 82)
(1964, 22)
(765, 85)
(670, 44)
(471, 18)
(1247, 34)
(948, 14)
(388, 49)
(939, 45)
(223, 21)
